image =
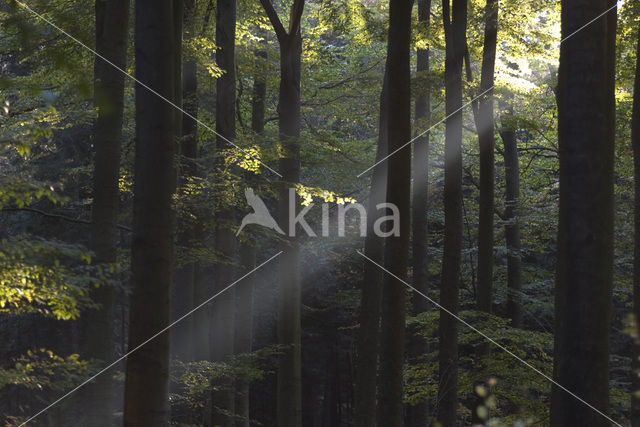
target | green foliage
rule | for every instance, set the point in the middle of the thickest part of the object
(45, 276)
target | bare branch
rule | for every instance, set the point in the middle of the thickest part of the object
(57, 216)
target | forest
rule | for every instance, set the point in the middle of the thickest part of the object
(319, 213)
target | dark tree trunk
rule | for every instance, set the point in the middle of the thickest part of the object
(223, 308)
(390, 403)
(289, 367)
(111, 43)
(418, 415)
(484, 294)
(512, 218)
(635, 143)
(244, 289)
(369, 332)
(289, 390)
(455, 26)
(585, 231)
(147, 374)
(186, 338)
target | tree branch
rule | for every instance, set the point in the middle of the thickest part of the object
(281, 33)
(62, 217)
(296, 16)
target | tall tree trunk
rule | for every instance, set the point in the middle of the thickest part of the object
(185, 338)
(223, 308)
(111, 43)
(512, 217)
(585, 231)
(369, 332)
(484, 294)
(289, 390)
(147, 374)
(455, 26)
(244, 289)
(390, 404)
(289, 366)
(418, 415)
(635, 143)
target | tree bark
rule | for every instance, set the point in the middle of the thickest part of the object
(635, 143)
(111, 43)
(244, 292)
(390, 404)
(187, 340)
(147, 373)
(455, 26)
(371, 294)
(223, 308)
(585, 231)
(418, 415)
(289, 389)
(289, 366)
(486, 125)
(512, 218)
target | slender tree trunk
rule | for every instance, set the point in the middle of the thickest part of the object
(111, 43)
(585, 231)
(635, 143)
(289, 365)
(244, 289)
(369, 332)
(486, 125)
(512, 218)
(455, 27)
(390, 404)
(223, 308)
(289, 390)
(418, 415)
(185, 339)
(147, 374)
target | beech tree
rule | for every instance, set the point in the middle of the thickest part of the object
(635, 144)
(511, 215)
(147, 374)
(486, 134)
(418, 414)
(368, 353)
(584, 271)
(455, 23)
(111, 43)
(223, 308)
(398, 98)
(289, 366)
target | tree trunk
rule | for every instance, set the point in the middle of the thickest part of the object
(418, 415)
(289, 366)
(455, 26)
(585, 230)
(223, 308)
(635, 143)
(111, 43)
(289, 389)
(147, 373)
(185, 339)
(369, 332)
(390, 404)
(512, 218)
(486, 125)
(244, 289)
